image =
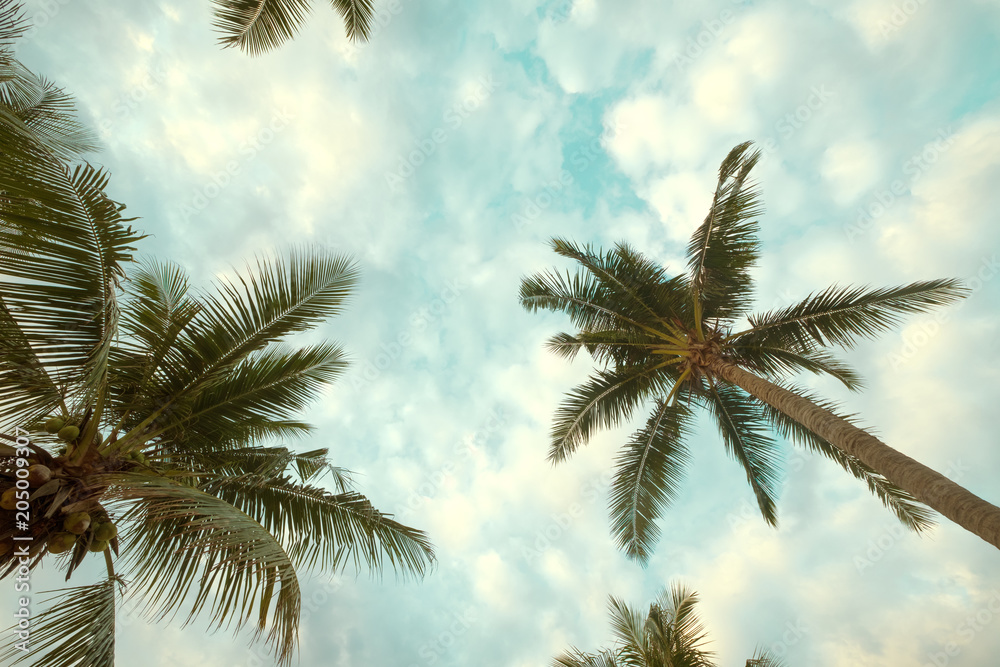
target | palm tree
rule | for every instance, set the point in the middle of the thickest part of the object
(142, 420)
(673, 341)
(257, 26)
(670, 636)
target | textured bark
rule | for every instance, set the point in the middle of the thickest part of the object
(926, 485)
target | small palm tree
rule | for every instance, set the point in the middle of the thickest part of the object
(257, 26)
(141, 420)
(674, 342)
(671, 635)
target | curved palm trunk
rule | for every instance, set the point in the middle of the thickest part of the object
(926, 485)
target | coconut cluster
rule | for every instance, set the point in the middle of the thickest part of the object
(65, 511)
(94, 535)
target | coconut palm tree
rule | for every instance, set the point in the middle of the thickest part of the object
(142, 421)
(674, 342)
(257, 26)
(671, 635)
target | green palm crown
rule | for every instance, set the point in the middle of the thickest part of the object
(664, 341)
(152, 415)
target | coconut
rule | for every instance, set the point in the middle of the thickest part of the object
(8, 500)
(105, 531)
(98, 545)
(38, 474)
(54, 425)
(61, 543)
(69, 433)
(77, 522)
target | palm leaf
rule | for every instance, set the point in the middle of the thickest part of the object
(268, 385)
(674, 633)
(606, 399)
(577, 658)
(745, 430)
(257, 26)
(358, 17)
(281, 298)
(648, 473)
(764, 658)
(76, 630)
(325, 529)
(180, 541)
(839, 315)
(627, 625)
(775, 362)
(638, 286)
(45, 109)
(724, 247)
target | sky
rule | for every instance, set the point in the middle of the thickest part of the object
(443, 154)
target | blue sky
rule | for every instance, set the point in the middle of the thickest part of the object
(443, 154)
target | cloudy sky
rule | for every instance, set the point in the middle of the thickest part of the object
(443, 154)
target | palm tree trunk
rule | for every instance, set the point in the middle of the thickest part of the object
(926, 485)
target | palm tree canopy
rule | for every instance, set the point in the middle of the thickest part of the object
(670, 635)
(655, 334)
(176, 402)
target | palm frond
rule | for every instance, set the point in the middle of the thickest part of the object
(257, 26)
(775, 362)
(745, 430)
(618, 347)
(63, 247)
(282, 297)
(581, 296)
(325, 529)
(724, 247)
(911, 513)
(180, 540)
(764, 658)
(13, 25)
(674, 632)
(46, 110)
(648, 474)
(358, 17)
(627, 625)
(605, 400)
(840, 315)
(574, 657)
(269, 385)
(77, 629)
(639, 286)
